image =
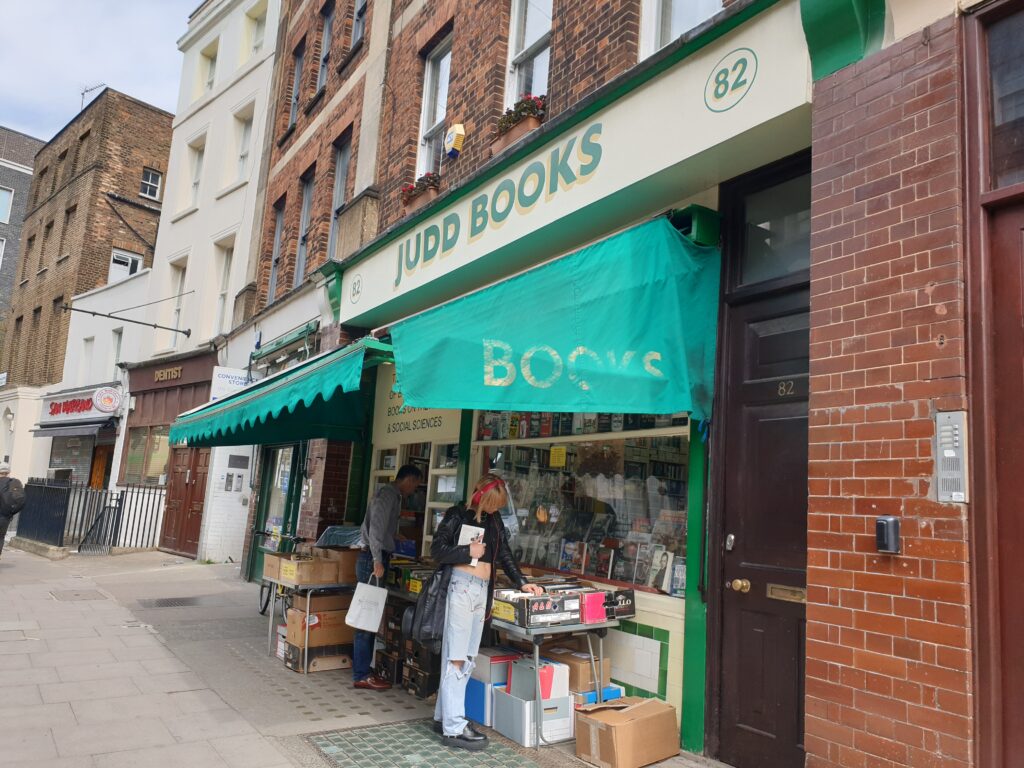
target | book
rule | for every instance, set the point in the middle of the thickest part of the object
(600, 563)
(678, 585)
(468, 534)
(572, 556)
(643, 564)
(661, 567)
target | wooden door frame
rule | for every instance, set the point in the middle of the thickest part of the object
(731, 194)
(980, 204)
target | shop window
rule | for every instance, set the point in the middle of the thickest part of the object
(603, 495)
(146, 455)
(435, 107)
(777, 236)
(530, 51)
(1006, 64)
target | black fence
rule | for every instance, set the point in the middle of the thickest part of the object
(93, 520)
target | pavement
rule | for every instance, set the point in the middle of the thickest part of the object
(151, 660)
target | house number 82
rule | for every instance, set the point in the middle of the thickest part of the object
(730, 80)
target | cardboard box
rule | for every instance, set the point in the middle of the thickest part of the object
(324, 602)
(312, 571)
(530, 611)
(581, 673)
(514, 719)
(325, 628)
(610, 693)
(346, 560)
(419, 683)
(282, 643)
(522, 681)
(627, 733)
(592, 607)
(321, 659)
(480, 702)
(272, 564)
(492, 664)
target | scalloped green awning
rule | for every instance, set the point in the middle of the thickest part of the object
(317, 399)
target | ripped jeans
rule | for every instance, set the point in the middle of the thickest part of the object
(463, 626)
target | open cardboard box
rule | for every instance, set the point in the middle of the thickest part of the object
(626, 733)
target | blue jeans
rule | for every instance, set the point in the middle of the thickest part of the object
(363, 643)
(463, 626)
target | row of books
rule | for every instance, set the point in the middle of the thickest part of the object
(506, 425)
(637, 563)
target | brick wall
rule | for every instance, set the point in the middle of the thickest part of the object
(324, 117)
(888, 637)
(84, 202)
(20, 149)
(591, 43)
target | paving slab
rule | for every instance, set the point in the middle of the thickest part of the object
(47, 716)
(15, 661)
(22, 694)
(95, 643)
(28, 676)
(27, 744)
(72, 658)
(195, 755)
(101, 738)
(248, 752)
(23, 645)
(88, 689)
(81, 672)
(141, 654)
(202, 726)
(124, 708)
(203, 700)
(176, 681)
(9, 626)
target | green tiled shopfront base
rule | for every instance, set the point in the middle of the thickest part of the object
(653, 633)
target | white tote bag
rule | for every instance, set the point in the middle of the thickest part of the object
(367, 608)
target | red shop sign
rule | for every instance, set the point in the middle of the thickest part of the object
(76, 405)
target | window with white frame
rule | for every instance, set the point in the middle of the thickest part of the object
(275, 256)
(223, 323)
(666, 20)
(6, 202)
(435, 106)
(150, 186)
(342, 157)
(530, 51)
(257, 27)
(358, 22)
(123, 264)
(116, 340)
(298, 59)
(197, 152)
(326, 33)
(302, 252)
(178, 272)
(244, 128)
(208, 65)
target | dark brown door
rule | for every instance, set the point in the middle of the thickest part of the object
(1007, 336)
(193, 521)
(765, 549)
(186, 491)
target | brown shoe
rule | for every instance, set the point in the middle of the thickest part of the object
(373, 683)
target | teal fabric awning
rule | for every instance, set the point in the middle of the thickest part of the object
(626, 325)
(316, 399)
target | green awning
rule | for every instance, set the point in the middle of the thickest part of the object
(316, 399)
(626, 325)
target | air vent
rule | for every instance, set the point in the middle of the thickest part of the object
(951, 456)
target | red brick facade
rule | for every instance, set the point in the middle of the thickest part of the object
(84, 202)
(888, 638)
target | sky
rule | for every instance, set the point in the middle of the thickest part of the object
(51, 49)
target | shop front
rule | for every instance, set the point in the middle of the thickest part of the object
(160, 390)
(82, 425)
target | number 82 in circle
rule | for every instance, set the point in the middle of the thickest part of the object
(730, 80)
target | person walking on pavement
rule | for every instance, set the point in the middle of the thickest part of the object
(469, 601)
(12, 499)
(379, 530)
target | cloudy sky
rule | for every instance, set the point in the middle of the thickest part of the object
(51, 49)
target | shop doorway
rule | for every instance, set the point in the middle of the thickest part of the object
(102, 461)
(758, 545)
(186, 492)
(278, 504)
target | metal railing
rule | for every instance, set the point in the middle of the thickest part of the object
(93, 520)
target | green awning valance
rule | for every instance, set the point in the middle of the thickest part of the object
(316, 399)
(626, 325)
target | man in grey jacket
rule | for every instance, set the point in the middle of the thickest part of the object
(380, 527)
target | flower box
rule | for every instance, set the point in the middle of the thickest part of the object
(420, 199)
(514, 134)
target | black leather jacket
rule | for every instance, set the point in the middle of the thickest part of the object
(446, 551)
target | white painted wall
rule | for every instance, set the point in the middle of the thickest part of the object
(195, 235)
(19, 414)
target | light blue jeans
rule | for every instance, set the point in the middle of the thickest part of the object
(463, 626)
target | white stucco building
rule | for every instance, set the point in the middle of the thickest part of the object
(200, 280)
